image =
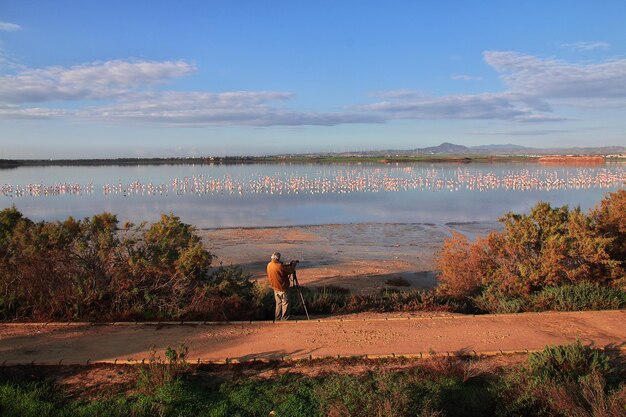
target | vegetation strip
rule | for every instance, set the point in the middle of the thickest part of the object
(89, 270)
(286, 322)
(566, 380)
(419, 355)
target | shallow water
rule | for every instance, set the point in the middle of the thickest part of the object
(297, 194)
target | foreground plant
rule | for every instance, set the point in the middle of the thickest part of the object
(547, 248)
(89, 270)
(567, 381)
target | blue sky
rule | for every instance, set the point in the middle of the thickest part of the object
(157, 78)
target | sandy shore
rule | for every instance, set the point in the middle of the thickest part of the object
(360, 257)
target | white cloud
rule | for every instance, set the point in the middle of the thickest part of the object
(129, 84)
(9, 27)
(230, 108)
(87, 82)
(535, 85)
(585, 46)
(189, 109)
(462, 77)
(551, 78)
(15, 112)
(504, 106)
(480, 106)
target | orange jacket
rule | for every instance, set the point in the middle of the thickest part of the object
(278, 275)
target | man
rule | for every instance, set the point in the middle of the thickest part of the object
(278, 276)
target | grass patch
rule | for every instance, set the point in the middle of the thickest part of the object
(583, 296)
(579, 297)
(567, 380)
(568, 363)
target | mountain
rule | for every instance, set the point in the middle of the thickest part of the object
(448, 148)
(452, 149)
(445, 148)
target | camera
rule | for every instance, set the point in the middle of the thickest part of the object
(294, 262)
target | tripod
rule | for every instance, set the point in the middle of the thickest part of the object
(299, 291)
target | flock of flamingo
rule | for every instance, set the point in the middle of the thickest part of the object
(341, 181)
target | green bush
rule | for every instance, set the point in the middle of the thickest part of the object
(249, 398)
(160, 372)
(579, 297)
(560, 381)
(515, 394)
(89, 270)
(491, 300)
(567, 363)
(328, 300)
(397, 300)
(574, 297)
(322, 300)
(30, 400)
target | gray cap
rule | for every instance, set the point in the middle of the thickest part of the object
(276, 255)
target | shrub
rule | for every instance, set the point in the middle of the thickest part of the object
(568, 380)
(396, 300)
(246, 398)
(159, 371)
(549, 247)
(587, 398)
(609, 218)
(491, 300)
(353, 396)
(438, 387)
(578, 297)
(160, 268)
(87, 270)
(567, 363)
(320, 301)
(227, 294)
(336, 289)
(59, 270)
(463, 267)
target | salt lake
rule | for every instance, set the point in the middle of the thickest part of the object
(260, 195)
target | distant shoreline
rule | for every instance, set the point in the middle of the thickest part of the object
(15, 163)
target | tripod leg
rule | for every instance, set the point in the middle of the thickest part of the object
(297, 285)
(303, 304)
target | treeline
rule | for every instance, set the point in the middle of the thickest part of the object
(14, 163)
(91, 270)
(551, 258)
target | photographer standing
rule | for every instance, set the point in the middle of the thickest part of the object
(278, 276)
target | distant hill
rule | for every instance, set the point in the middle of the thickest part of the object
(448, 148)
(440, 152)
(445, 148)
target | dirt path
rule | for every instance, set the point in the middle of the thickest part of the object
(359, 335)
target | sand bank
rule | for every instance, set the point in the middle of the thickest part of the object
(360, 257)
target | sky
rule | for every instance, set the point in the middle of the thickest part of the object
(93, 79)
